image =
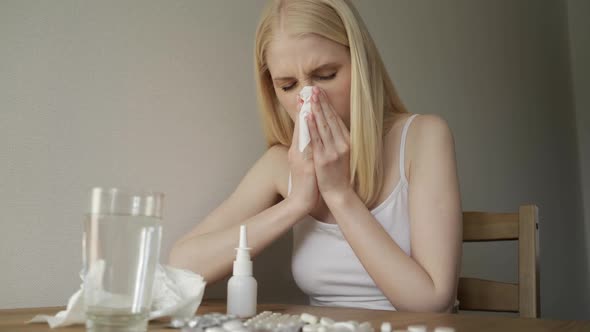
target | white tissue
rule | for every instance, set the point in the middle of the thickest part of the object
(175, 292)
(74, 313)
(304, 138)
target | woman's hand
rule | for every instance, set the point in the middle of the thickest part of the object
(330, 142)
(304, 188)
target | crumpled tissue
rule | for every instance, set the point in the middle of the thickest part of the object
(304, 138)
(176, 293)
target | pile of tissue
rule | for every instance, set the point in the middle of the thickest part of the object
(176, 293)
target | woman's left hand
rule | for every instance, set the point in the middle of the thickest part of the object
(330, 142)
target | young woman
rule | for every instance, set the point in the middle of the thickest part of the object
(373, 200)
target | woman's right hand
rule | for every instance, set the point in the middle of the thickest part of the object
(304, 188)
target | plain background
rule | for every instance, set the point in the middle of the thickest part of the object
(160, 94)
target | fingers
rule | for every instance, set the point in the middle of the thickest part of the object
(343, 130)
(308, 153)
(332, 119)
(326, 128)
(323, 128)
(316, 141)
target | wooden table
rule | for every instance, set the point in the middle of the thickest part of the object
(13, 319)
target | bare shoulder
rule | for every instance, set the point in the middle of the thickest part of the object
(424, 129)
(275, 154)
(274, 163)
(431, 125)
(428, 131)
(429, 142)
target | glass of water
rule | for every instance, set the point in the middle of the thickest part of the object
(121, 247)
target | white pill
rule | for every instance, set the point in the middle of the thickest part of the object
(309, 328)
(233, 325)
(366, 327)
(444, 329)
(326, 321)
(339, 328)
(215, 329)
(309, 318)
(268, 326)
(239, 329)
(417, 328)
(284, 324)
(345, 326)
(322, 328)
(386, 327)
(262, 315)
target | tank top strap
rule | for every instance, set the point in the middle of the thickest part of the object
(402, 149)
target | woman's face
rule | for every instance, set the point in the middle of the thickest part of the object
(310, 60)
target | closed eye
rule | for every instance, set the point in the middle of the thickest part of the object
(325, 78)
(287, 88)
(319, 78)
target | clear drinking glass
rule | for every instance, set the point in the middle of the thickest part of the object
(121, 247)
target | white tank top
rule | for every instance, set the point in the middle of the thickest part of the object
(326, 268)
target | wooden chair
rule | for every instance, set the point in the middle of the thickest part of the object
(486, 295)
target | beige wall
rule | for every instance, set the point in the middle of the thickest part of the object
(161, 94)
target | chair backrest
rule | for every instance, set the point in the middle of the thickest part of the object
(486, 295)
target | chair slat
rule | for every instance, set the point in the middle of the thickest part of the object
(479, 294)
(528, 262)
(482, 226)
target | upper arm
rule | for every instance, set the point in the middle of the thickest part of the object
(434, 200)
(257, 191)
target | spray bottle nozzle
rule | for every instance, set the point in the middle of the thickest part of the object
(243, 237)
(242, 264)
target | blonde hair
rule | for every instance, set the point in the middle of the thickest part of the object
(373, 99)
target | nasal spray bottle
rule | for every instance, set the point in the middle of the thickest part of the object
(242, 287)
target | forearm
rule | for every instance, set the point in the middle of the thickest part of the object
(211, 254)
(406, 284)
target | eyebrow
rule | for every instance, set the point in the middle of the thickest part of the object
(330, 65)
